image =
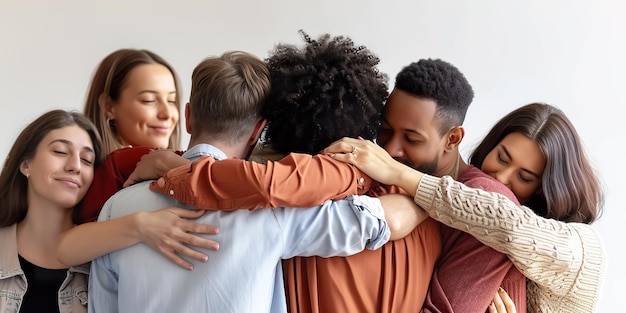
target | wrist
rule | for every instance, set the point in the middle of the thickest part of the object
(136, 226)
(409, 179)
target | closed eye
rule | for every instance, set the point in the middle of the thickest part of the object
(501, 159)
(411, 140)
(524, 179)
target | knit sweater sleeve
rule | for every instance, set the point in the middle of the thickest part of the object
(563, 258)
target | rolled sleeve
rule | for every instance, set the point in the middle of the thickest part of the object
(336, 228)
(375, 208)
(298, 180)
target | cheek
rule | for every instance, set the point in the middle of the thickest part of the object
(490, 163)
(87, 178)
(175, 113)
(420, 155)
(141, 114)
(488, 167)
(522, 191)
(134, 118)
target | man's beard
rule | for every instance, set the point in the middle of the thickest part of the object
(428, 168)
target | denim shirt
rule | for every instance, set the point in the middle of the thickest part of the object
(245, 275)
(13, 285)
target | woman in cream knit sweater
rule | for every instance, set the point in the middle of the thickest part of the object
(537, 153)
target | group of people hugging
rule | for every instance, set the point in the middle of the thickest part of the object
(308, 185)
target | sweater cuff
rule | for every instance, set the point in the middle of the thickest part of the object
(427, 190)
(594, 256)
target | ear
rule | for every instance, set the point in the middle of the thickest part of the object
(106, 106)
(24, 168)
(256, 132)
(187, 118)
(455, 136)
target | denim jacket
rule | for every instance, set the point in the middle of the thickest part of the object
(13, 285)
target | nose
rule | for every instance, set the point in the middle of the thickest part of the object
(393, 147)
(165, 109)
(73, 163)
(504, 176)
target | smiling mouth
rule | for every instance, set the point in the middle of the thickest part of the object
(162, 129)
(70, 181)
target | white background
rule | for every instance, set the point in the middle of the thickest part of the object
(568, 53)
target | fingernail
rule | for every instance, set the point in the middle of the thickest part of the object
(500, 290)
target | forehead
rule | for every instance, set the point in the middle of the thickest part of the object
(150, 76)
(525, 152)
(406, 111)
(74, 134)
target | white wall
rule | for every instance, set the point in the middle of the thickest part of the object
(567, 53)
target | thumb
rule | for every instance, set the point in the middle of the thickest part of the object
(130, 181)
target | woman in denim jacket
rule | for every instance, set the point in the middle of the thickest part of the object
(48, 171)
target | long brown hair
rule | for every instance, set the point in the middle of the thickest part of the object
(109, 79)
(570, 189)
(13, 184)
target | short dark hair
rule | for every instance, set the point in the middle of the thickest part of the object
(442, 82)
(13, 184)
(570, 189)
(326, 90)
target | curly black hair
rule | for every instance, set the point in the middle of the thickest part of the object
(440, 81)
(322, 92)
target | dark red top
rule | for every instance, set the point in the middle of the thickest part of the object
(109, 179)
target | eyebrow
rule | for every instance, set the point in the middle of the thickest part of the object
(69, 143)
(154, 91)
(523, 169)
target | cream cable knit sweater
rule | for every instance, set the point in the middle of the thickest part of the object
(564, 262)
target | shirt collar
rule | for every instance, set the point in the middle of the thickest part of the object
(204, 149)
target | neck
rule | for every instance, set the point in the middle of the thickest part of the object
(38, 235)
(237, 150)
(455, 167)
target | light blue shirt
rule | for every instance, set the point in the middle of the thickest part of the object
(245, 274)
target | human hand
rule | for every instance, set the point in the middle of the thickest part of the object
(502, 303)
(169, 232)
(369, 157)
(154, 165)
